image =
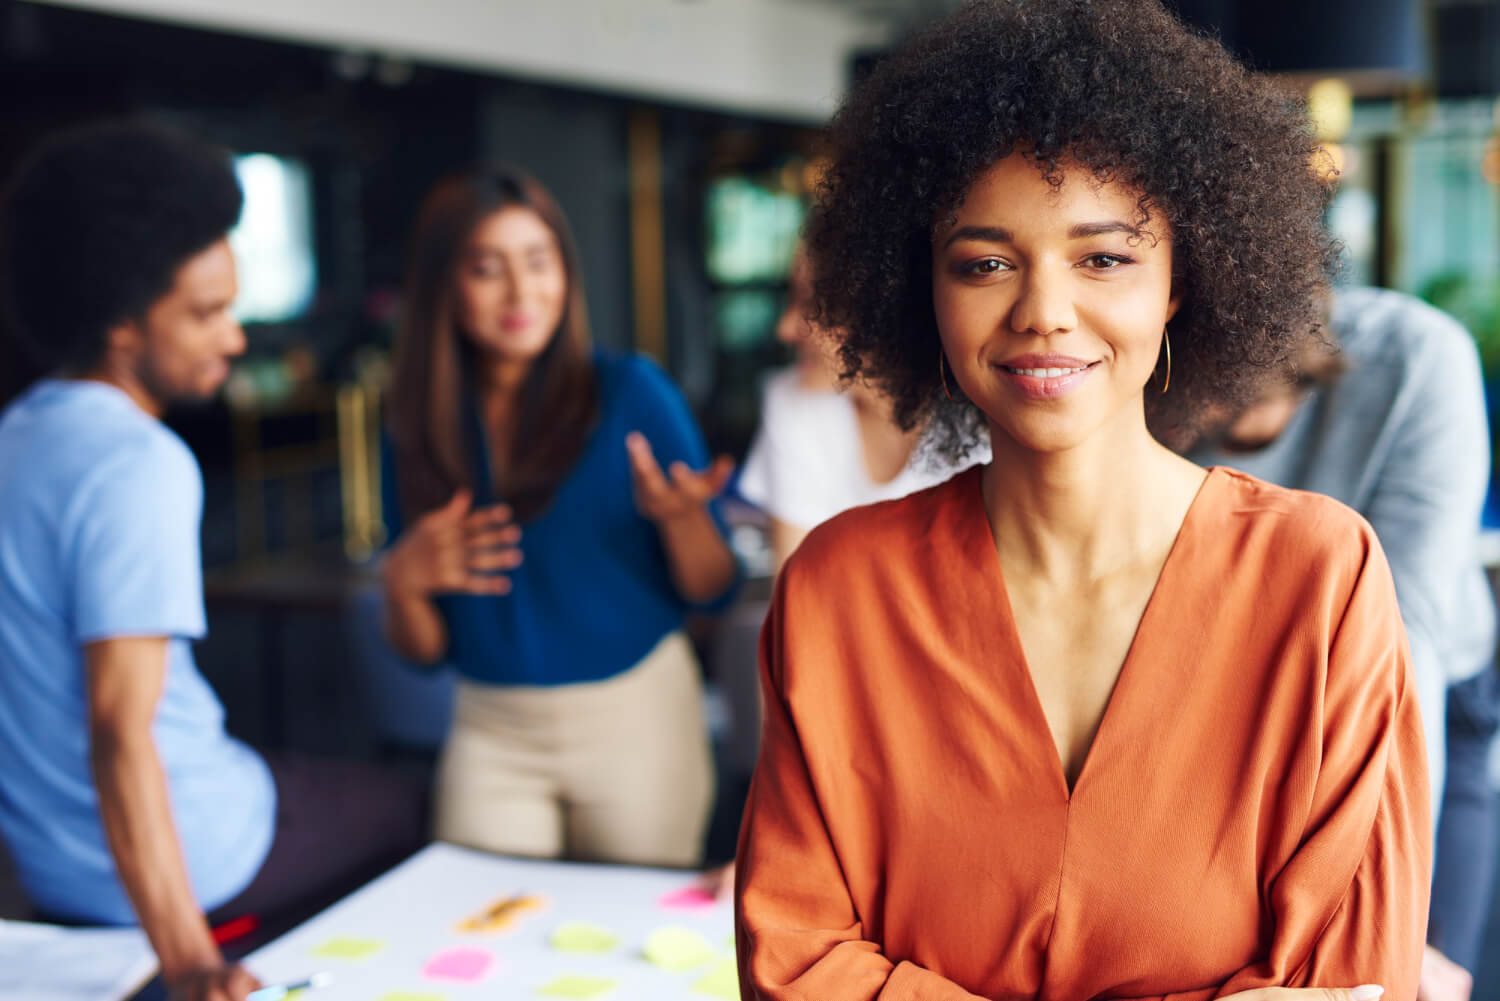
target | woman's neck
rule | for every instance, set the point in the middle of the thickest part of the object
(1085, 513)
(498, 384)
(499, 377)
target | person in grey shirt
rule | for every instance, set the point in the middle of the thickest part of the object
(1391, 421)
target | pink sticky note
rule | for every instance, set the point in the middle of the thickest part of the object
(462, 965)
(691, 898)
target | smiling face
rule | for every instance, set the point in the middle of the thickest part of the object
(512, 285)
(1051, 302)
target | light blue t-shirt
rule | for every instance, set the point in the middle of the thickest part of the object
(100, 507)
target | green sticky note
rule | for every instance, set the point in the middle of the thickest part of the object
(580, 936)
(344, 947)
(721, 981)
(410, 996)
(677, 949)
(572, 985)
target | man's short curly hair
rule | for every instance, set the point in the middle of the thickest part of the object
(1123, 89)
(94, 226)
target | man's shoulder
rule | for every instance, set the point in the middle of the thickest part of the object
(1381, 326)
(80, 447)
(142, 455)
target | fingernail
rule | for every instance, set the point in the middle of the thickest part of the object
(1367, 992)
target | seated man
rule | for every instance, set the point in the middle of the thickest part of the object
(122, 798)
(1390, 419)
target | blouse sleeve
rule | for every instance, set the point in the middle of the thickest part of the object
(798, 936)
(1344, 917)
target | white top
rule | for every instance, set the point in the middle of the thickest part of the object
(807, 464)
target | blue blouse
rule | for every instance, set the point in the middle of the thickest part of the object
(594, 593)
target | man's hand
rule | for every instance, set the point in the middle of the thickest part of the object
(224, 983)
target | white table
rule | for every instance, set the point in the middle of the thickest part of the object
(412, 914)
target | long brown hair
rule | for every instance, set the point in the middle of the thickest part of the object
(434, 359)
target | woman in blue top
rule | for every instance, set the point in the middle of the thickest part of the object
(545, 552)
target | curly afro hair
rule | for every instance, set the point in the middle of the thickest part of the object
(1123, 89)
(94, 226)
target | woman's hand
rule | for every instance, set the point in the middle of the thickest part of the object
(454, 549)
(717, 882)
(1365, 992)
(662, 498)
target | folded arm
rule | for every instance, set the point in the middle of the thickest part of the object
(798, 934)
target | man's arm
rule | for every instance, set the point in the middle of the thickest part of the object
(125, 681)
(1426, 510)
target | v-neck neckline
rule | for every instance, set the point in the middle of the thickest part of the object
(1125, 681)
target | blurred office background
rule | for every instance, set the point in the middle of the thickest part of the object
(681, 138)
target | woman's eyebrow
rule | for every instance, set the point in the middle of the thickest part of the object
(990, 234)
(491, 250)
(1087, 229)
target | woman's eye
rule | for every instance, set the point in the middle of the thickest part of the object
(1104, 262)
(985, 266)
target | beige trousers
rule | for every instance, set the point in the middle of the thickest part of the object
(617, 770)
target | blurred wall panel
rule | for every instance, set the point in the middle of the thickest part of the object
(1383, 37)
(761, 56)
(1468, 36)
(1350, 35)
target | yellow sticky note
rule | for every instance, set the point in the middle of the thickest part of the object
(410, 996)
(580, 936)
(677, 949)
(572, 985)
(721, 981)
(344, 947)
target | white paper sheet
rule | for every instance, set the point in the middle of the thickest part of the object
(40, 962)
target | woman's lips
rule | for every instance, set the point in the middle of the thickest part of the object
(1045, 377)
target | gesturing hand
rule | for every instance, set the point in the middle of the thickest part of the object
(454, 549)
(663, 499)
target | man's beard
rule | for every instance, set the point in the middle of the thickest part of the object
(161, 389)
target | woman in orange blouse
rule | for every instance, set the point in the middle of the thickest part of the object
(1088, 722)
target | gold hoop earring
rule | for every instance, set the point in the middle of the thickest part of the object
(943, 375)
(1167, 339)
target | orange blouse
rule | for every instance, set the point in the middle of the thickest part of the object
(1253, 811)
